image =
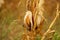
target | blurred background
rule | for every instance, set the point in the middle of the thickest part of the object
(12, 14)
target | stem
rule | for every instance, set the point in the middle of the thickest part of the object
(57, 14)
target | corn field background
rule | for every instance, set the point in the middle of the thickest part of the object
(11, 19)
